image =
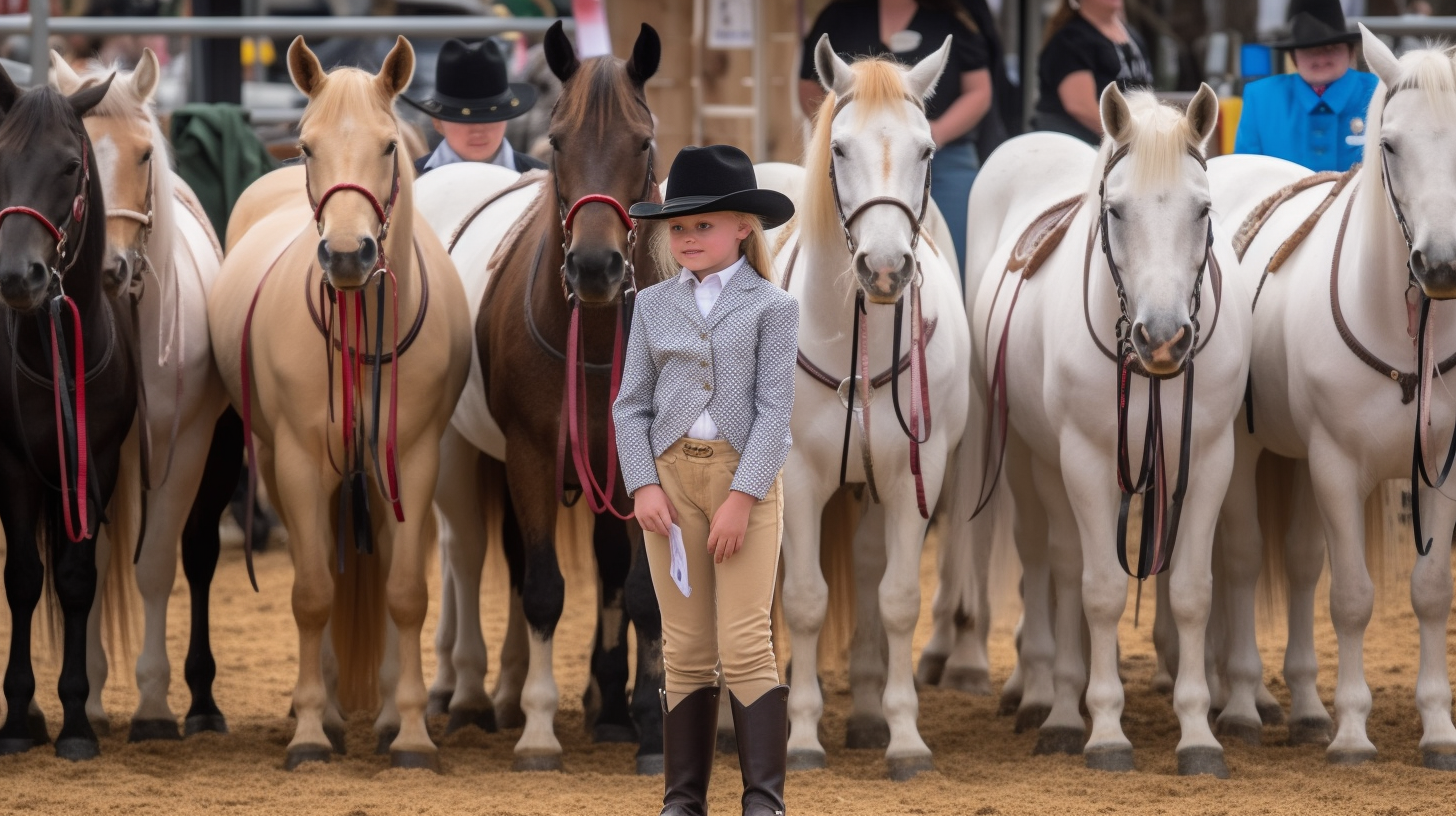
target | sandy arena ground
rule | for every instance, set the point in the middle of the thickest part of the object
(983, 767)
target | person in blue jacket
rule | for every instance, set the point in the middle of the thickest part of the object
(1315, 117)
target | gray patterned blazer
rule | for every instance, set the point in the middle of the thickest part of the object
(737, 364)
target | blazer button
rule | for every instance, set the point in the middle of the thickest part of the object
(707, 386)
(703, 363)
(703, 336)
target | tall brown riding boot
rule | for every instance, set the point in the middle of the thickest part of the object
(689, 737)
(763, 750)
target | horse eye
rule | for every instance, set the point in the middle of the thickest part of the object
(1204, 213)
(303, 148)
(646, 145)
(1112, 211)
(929, 154)
(72, 167)
(147, 156)
(1387, 148)
(838, 151)
(554, 144)
(390, 148)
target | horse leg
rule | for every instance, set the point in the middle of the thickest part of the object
(1309, 722)
(1062, 731)
(899, 594)
(75, 581)
(515, 650)
(1341, 498)
(806, 601)
(1431, 599)
(98, 668)
(20, 508)
(1037, 645)
(463, 540)
(543, 594)
(1239, 547)
(386, 722)
(969, 667)
(443, 686)
(641, 607)
(201, 548)
(1165, 638)
(867, 650)
(607, 686)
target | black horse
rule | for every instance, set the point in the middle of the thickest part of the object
(68, 386)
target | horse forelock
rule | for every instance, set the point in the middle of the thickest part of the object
(598, 96)
(1157, 146)
(347, 92)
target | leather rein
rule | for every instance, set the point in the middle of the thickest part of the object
(68, 372)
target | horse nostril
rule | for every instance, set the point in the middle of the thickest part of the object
(37, 272)
(323, 254)
(368, 252)
(1418, 261)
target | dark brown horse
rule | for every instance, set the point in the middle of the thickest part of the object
(67, 391)
(602, 139)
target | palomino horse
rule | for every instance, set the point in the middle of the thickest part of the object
(857, 258)
(66, 335)
(159, 239)
(564, 271)
(285, 353)
(1154, 293)
(1335, 382)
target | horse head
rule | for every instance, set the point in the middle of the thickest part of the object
(130, 158)
(601, 138)
(1412, 147)
(1155, 202)
(873, 143)
(349, 139)
(48, 192)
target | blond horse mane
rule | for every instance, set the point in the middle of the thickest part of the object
(1160, 139)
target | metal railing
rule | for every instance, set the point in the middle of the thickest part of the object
(1409, 25)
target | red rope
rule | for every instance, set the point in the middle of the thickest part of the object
(573, 434)
(58, 384)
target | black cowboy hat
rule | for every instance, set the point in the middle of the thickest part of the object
(1313, 23)
(716, 178)
(471, 87)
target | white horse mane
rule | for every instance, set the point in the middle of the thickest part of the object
(1431, 71)
(1160, 140)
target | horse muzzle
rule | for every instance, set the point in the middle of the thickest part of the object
(1437, 280)
(1162, 346)
(23, 286)
(349, 269)
(595, 275)
(884, 276)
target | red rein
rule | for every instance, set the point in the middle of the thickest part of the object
(573, 436)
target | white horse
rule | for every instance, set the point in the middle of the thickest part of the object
(159, 237)
(1315, 400)
(1150, 190)
(865, 180)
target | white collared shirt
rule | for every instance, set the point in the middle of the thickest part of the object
(706, 293)
(445, 154)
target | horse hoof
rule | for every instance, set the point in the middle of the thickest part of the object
(1059, 740)
(804, 759)
(335, 733)
(198, 723)
(1009, 705)
(102, 727)
(537, 762)
(613, 732)
(931, 667)
(1311, 731)
(1245, 731)
(1031, 717)
(147, 730)
(77, 749)
(439, 703)
(1201, 760)
(1271, 714)
(864, 731)
(15, 745)
(35, 726)
(727, 742)
(976, 682)
(483, 718)
(415, 760)
(902, 769)
(304, 754)
(1438, 760)
(1350, 756)
(509, 715)
(1112, 758)
(386, 739)
(649, 765)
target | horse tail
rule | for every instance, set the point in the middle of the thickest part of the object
(1274, 478)
(836, 560)
(126, 525)
(575, 554)
(1388, 537)
(358, 628)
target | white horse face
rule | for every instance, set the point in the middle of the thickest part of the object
(881, 159)
(1157, 202)
(1417, 147)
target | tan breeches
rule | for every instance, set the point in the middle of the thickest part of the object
(727, 619)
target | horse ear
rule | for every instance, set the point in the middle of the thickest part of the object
(8, 92)
(84, 100)
(1202, 113)
(646, 54)
(1379, 57)
(834, 73)
(147, 75)
(1116, 115)
(63, 76)
(561, 54)
(304, 67)
(398, 68)
(926, 73)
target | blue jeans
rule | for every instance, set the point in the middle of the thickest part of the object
(952, 171)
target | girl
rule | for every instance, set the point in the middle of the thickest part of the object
(702, 430)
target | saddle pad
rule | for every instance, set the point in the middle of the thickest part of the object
(188, 199)
(1260, 215)
(1042, 237)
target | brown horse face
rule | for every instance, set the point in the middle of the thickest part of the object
(350, 144)
(601, 137)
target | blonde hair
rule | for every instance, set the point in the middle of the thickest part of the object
(754, 248)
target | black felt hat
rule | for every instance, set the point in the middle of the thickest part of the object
(1313, 23)
(716, 178)
(471, 87)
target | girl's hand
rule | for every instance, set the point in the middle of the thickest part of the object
(730, 523)
(653, 509)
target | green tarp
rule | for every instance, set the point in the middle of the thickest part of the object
(218, 155)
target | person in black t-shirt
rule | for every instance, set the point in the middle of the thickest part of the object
(1087, 46)
(909, 31)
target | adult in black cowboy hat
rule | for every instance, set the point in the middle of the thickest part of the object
(1315, 117)
(470, 106)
